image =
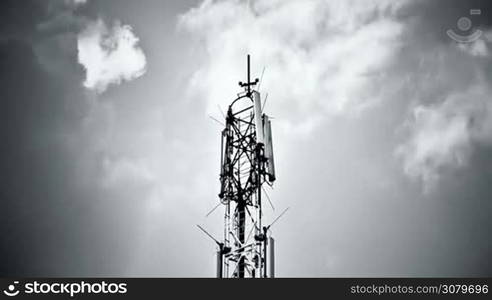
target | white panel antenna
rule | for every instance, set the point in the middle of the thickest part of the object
(267, 128)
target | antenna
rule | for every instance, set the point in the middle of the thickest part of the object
(270, 162)
(270, 241)
(276, 219)
(248, 84)
(223, 250)
(246, 163)
(221, 111)
(264, 102)
(219, 122)
(212, 210)
(268, 198)
(261, 78)
(209, 235)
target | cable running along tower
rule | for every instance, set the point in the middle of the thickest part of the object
(246, 165)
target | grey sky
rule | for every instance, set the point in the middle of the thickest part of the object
(382, 135)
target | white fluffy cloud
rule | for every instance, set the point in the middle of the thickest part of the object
(452, 112)
(109, 55)
(321, 57)
(442, 135)
(326, 58)
(126, 172)
(78, 2)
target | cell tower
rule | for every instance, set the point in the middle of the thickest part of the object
(246, 165)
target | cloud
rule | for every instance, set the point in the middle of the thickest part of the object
(439, 138)
(321, 57)
(125, 171)
(477, 48)
(109, 55)
(449, 109)
(442, 135)
(338, 58)
(75, 3)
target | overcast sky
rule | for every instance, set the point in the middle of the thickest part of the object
(382, 134)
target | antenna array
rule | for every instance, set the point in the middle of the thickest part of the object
(246, 165)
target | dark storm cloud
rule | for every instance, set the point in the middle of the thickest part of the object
(53, 223)
(461, 233)
(448, 87)
(437, 16)
(25, 125)
(465, 242)
(37, 167)
(20, 19)
(77, 193)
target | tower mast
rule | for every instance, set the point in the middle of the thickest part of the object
(246, 164)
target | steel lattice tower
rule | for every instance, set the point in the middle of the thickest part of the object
(246, 164)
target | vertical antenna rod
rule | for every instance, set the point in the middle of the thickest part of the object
(248, 84)
(248, 70)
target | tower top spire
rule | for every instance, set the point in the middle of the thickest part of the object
(247, 85)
